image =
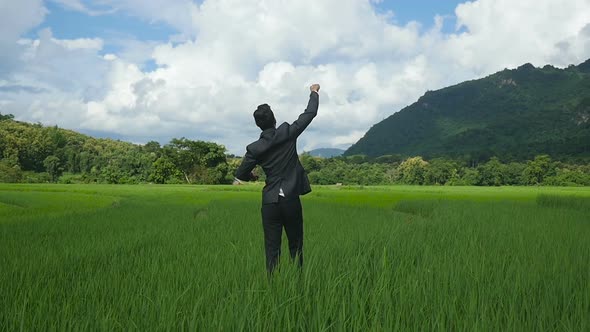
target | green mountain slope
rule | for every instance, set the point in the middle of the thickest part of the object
(513, 114)
(35, 153)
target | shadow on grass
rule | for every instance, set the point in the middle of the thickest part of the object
(561, 201)
(422, 208)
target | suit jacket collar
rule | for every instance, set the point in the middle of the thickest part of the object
(268, 133)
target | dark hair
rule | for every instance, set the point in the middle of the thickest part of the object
(264, 117)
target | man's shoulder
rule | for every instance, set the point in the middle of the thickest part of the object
(283, 130)
(253, 146)
(281, 134)
(258, 147)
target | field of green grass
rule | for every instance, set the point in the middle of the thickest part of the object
(99, 257)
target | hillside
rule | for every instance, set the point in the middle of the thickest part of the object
(513, 114)
(36, 153)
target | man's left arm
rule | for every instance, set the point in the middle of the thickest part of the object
(297, 127)
(244, 172)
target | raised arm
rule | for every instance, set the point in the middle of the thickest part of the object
(297, 127)
(244, 172)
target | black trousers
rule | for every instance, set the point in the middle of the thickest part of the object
(285, 213)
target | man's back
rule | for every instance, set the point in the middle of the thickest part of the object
(276, 153)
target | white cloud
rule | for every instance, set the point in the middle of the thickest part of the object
(80, 43)
(110, 57)
(232, 55)
(180, 14)
(78, 5)
(513, 32)
(68, 66)
(16, 18)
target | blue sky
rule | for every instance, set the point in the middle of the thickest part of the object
(115, 28)
(422, 11)
(70, 24)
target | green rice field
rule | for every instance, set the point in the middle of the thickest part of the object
(148, 257)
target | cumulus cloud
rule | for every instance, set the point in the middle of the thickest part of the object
(70, 66)
(180, 14)
(78, 5)
(231, 55)
(16, 18)
(513, 32)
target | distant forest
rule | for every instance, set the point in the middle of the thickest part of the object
(33, 153)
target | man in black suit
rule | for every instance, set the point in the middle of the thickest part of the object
(276, 152)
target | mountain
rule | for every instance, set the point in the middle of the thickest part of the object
(326, 152)
(513, 114)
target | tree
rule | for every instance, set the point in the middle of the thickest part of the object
(215, 175)
(6, 117)
(412, 171)
(389, 159)
(356, 159)
(537, 169)
(152, 147)
(192, 158)
(163, 170)
(53, 167)
(568, 177)
(9, 172)
(514, 173)
(440, 171)
(492, 173)
(468, 177)
(332, 172)
(113, 174)
(310, 163)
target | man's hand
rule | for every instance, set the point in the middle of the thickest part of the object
(253, 176)
(315, 88)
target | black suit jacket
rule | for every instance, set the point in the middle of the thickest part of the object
(276, 152)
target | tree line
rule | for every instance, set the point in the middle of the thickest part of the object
(361, 170)
(32, 153)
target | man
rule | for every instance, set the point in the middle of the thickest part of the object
(276, 152)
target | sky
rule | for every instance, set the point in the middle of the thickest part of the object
(143, 70)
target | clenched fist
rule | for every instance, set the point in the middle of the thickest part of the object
(315, 87)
